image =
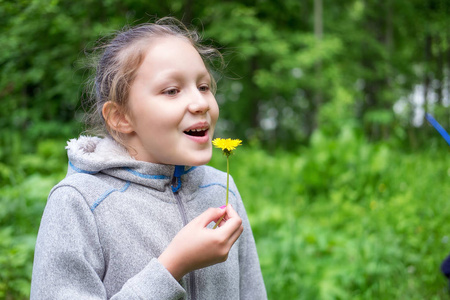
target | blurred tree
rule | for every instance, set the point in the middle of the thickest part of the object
(293, 66)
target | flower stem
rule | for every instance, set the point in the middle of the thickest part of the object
(228, 177)
(228, 188)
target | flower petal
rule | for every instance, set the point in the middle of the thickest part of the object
(227, 145)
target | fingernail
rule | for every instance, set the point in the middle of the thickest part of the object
(222, 207)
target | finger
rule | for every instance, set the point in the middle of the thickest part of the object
(236, 234)
(233, 223)
(221, 222)
(223, 219)
(231, 212)
(210, 215)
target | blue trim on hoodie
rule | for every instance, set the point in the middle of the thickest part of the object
(107, 193)
(219, 184)
(78, 170)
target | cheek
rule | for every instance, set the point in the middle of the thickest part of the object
(214, 112)
(156, 117)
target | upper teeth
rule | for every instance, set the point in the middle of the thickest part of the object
(198, 129)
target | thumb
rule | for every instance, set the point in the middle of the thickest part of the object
(211, 214)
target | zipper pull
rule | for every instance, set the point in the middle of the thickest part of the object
(176, 179)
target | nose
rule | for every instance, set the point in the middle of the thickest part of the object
(199, 103)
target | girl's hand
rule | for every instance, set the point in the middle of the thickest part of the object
(197, 246)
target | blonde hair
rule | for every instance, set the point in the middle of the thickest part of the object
(120, 59)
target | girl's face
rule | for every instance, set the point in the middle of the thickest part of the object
(171, 109)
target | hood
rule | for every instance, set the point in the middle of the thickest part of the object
(93, 155)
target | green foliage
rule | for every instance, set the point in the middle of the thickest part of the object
(346, 219)
(25, 186)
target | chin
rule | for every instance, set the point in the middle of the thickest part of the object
(198, 160)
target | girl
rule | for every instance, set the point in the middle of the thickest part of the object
(133, 217)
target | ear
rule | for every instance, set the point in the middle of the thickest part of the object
(116, 119)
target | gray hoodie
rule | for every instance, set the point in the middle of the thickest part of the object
(107, 222)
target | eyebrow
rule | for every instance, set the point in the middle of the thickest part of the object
(177, 75)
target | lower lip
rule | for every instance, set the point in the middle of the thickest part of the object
(199, 139)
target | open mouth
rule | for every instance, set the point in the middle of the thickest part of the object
(196, 132)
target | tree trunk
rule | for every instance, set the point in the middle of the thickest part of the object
(389, 44)
(426, 80)
(318, 33)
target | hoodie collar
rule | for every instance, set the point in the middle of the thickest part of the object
(92, 155)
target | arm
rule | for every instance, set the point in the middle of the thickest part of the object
(69, 261)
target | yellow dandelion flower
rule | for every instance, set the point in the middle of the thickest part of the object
(227, 145)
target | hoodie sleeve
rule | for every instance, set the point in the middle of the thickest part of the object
(69, 263)
(251, 280)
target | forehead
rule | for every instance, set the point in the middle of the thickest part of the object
(167, 46)
(172, 53)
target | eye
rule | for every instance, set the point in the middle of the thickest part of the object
(203, 88)
(171, 92)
